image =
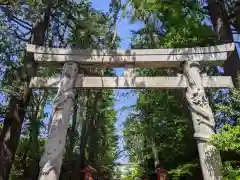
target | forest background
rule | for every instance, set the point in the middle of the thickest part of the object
(158, 127)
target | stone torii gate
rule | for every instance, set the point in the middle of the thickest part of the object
(189, 59)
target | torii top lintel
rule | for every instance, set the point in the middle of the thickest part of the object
(151, 58)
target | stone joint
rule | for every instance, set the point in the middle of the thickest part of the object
(201, 136)
(70, 69)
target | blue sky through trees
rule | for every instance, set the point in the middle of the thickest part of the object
(124, 31)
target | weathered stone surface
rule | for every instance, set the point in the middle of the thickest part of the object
(194, 50)
(203, 122)
(51, 160)
(149, 58)
(133, 82)
(153, 58)
(149, 61)
(129, 75)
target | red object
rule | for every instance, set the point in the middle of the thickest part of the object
(145, 178)
(88, 173)
(162, 174)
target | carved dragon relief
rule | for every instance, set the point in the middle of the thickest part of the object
(198, 101)
(70, 71)
(55, 147)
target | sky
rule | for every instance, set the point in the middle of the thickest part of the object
(124, 31)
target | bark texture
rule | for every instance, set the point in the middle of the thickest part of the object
(89, 125)
(14, 118)
(220, 21)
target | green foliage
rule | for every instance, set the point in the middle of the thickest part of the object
(158, 126)
(231, 170)
(132, 173)
(182, 170)
(107, 119)
(161, 117)
(227, 103)
(228, 139)
(20, 165)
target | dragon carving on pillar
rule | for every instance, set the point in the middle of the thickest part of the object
(55, 145)
(197, 100)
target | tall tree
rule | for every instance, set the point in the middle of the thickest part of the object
(15, 114)
(221, 24)
(31, 143)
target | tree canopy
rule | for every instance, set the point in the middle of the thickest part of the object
(158, 131)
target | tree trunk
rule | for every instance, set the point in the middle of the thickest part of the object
(83, 141)
(221, 25)
(24, 158)
(13, 121)
(32, 170)
(93, 145)
(87, 130)
(155, 156)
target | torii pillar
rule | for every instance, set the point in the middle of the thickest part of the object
(51, 160)
(203, 122)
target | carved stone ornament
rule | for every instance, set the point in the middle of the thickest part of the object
(55, 125)
(197, 99)
(70, 69)
(203, 122)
